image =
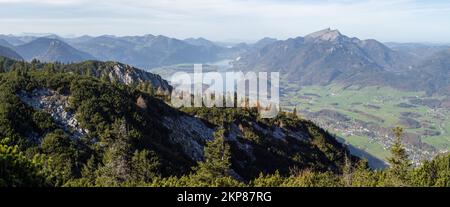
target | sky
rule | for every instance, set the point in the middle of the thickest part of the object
(231, 20)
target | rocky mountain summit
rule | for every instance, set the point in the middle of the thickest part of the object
(327, 56)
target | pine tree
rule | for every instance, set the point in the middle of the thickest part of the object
(431, 173)
(88, 170)
(89, 73)
(274, 180)
(144, 166)
(16, 170)
(399, 162)
(35, 61)
(149, 88)
(2, 68)
(347, 171)
(116, 159)
(217, 160)
(104, 77)
(49, 68)
(361, 175)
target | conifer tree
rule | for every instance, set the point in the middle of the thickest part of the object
(144, 166)
(2, 68)
(347, 171)
(217, 159)
(104, 77)
(88, 170)
(18, 171)
(89, 72)
(399, 163)
(116, 159)
(362, 175)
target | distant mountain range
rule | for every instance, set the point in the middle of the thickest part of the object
(434, 72)
(320, 58)
(146, 51)
(418, 51)
(327, 56)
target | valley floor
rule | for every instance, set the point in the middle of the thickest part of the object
(364, 117)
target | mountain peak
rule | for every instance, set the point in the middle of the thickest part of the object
(51, 50)
(326, 35)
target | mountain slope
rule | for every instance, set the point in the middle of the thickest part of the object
(418, 51)
(119, 72)
(5, 43)
(319, 58)
(146, 51)
(263, 42)
(9, 53)
(99, 116)
(327, 56)
(200, 42)
(435, 72)
(12, 39)
(51, 50)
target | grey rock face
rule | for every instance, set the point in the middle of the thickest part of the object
(190, 133)
(128, 75)
(54, 104)
(122, 73)
(324, 35)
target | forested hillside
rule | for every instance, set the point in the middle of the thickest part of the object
(64, 125)
(79, 122)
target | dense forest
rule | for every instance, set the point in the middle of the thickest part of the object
(62, 125)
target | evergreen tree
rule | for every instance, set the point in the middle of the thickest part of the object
(347, 171)
(35, 61)
(362, 175)
(88, 171)
(399, 162)
(433, 173)
(116, 160)
(2, 67)
(274, 180)
(89, 72)
(149, 88)
(104, 77)
(61, 150)
(144, 166)
(217, 160)
(49, 68)
(18, 171)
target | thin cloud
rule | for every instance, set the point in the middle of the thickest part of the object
(397, 20)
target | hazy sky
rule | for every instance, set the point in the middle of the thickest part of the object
(395, 20)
